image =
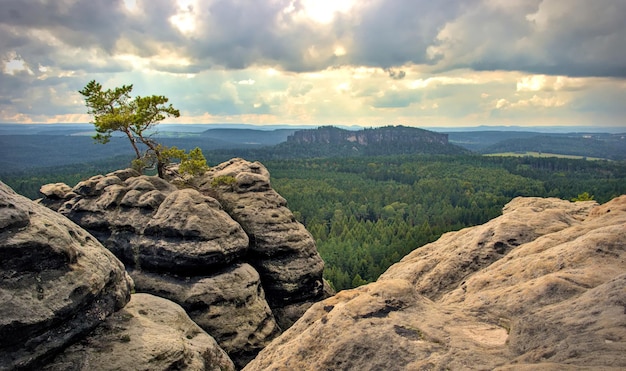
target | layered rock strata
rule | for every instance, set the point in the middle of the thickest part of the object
(57, 282)
(540, 287)
(149, 333)
(209, 250)
(230, 305)
(281, 249)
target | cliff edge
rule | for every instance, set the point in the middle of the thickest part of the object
(541, 287)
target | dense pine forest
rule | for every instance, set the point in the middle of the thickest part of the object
(367, 212)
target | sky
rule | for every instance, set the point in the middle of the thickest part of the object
(370, 63)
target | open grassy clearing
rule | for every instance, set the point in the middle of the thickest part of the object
(543, 154)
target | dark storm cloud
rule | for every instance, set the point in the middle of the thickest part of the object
(238, 33)
(576, 37)
(76, 23)
(586, 38)
(392, 33)
(34, 30)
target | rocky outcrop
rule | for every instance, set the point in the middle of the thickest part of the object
(230, 305)
(388, 135)
(281, 249)
(56, 194)
(65, 303)
(329, 141)
(540, 287)
(57, 282)
(231, 253)
(150, 333)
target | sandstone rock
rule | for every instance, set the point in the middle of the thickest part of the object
(183, 246)
(190, 232)
(199, 251)
(57, 282)
(587, 330)
(230, 305)
(541, 287)
(124, 174)
(150, 333)
(443, 265)
(55, 195)
(148, 223)
(281, 249)
(381, 326)
(55, 190)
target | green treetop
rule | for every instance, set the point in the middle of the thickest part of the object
(114, 110)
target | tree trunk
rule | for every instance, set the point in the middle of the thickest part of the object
(133, 143)
(154, 147)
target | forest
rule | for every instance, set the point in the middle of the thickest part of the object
(367, 212)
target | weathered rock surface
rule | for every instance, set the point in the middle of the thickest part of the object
(236, 274)
(281, 249)
(178, 243)
(150, 333)
(56, 282)
(443, 265)
(56, 194)
(230, 306)
(541, 287)
(150, 224)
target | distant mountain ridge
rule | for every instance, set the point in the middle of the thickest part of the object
(383, 135)
(328, 141)
(31, 146)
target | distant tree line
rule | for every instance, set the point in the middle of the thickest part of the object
(611, 147)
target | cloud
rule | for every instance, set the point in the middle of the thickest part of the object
(552, 37)
(393, 33)
(289, 60)
(396, 74)
(549, 83)
(534, 101)
(574, 38)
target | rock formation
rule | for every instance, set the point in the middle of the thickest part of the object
(541, 287)
(66, 303)
(57, 282)
(231, 253)
(388, 135)
(230, 305)
(281, 249)
(329, 141)
(150, 333)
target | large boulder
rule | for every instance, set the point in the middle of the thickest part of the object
(150, 224)
(229, 305)
(57, 282)
(281, 249)
(445, 264)
(540, 287)
(150, 333)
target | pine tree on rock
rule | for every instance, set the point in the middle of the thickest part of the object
(114, 110)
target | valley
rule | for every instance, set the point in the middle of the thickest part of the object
(367, 206)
